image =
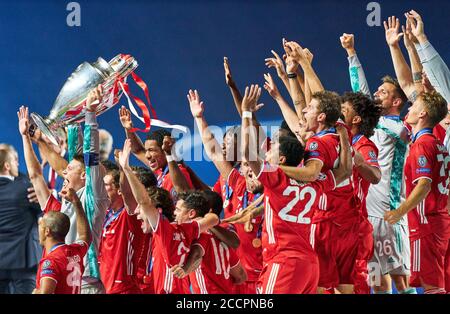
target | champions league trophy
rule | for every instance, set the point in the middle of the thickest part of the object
(69, 105)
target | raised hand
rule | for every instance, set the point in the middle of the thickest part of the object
(271, 87)
(291, 64)
(308, 54)
(251, 97)
(94, 99)
(24, 123)
(125, 118)
(69, 195)
(228, 77)
(276, 63)
(116, 155)
(417, 27)
(348, 42)
(295, 51)
(195, 104)
(124, 155)
(391, 28)
(168, 144)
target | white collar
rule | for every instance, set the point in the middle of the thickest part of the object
(8, 177)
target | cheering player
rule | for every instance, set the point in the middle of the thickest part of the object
(290, 263)
(361, 114)
(427, 182)
(172, 241)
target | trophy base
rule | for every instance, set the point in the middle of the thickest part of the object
(45, 129)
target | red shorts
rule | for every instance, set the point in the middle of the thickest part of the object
(428, 256)
(365, 252)
(290, 276)
(248, 287)
(337, 248)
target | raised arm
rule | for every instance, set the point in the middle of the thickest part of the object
(55, 160)
(437, 71)
(137, 147)
(33, 166)
(292, 119)
(211, 145)
(358, 79)
(344, 170)
(297, 96)
(248, 134)
(179, 180)
(310, 172)
(410, 42)
(83, 229)
(277, 63)
(128, 198)
(402, 70)
(138, 190)
(294, 50)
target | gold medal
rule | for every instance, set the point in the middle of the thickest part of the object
(256, 242)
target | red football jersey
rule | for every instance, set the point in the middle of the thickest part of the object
(121, 241)
(288, 213)
(250, 256)
(213, 274)
(439, 132)
(52, 205)
(144, 274)
(165, 182)
(340, 204)
(171, 245)
(428, 159)
(369, 152)
(64, 265)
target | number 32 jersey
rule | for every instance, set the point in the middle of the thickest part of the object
(289, 207)
(428, 159)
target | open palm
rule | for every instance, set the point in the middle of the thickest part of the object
(195, 103)
(391, 28)
(24, 123)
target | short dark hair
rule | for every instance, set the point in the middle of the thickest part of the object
(161, 198)
(109, 165)
(79, 158)
(285, 126)
(145, 176)
(330, 105)
(398, 90)
(214, 200)
(435, 105)
(58, 223)
(291, 149)
(115, 174)
(369, 110)
(158, 136)
(195, 200)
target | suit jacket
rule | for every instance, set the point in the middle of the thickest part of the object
(19, 239)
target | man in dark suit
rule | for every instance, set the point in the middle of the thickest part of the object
(19, 241)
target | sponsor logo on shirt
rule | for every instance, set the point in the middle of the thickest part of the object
(47, 272)
(422, 161)
(423, 170)
(313, 146)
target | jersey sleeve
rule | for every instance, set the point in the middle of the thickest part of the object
(164, 230)
(325, 182)
(422, 161)
(191, 229)
(52, 205)
(80, 246)
(218, 186)
(49, 269)
(202, 242)
(370, 154)
(316, 150)
(186, 174)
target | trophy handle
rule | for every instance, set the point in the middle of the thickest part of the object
(43, 126)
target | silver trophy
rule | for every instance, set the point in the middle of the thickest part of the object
(69, 105)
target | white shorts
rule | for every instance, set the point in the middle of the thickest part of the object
(391, 251)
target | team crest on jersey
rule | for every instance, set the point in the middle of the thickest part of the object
(313, 146)
(322, 176)
(422, 161)
(372, 154)
(46, 264)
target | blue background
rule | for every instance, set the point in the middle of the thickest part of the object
(181, 44)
